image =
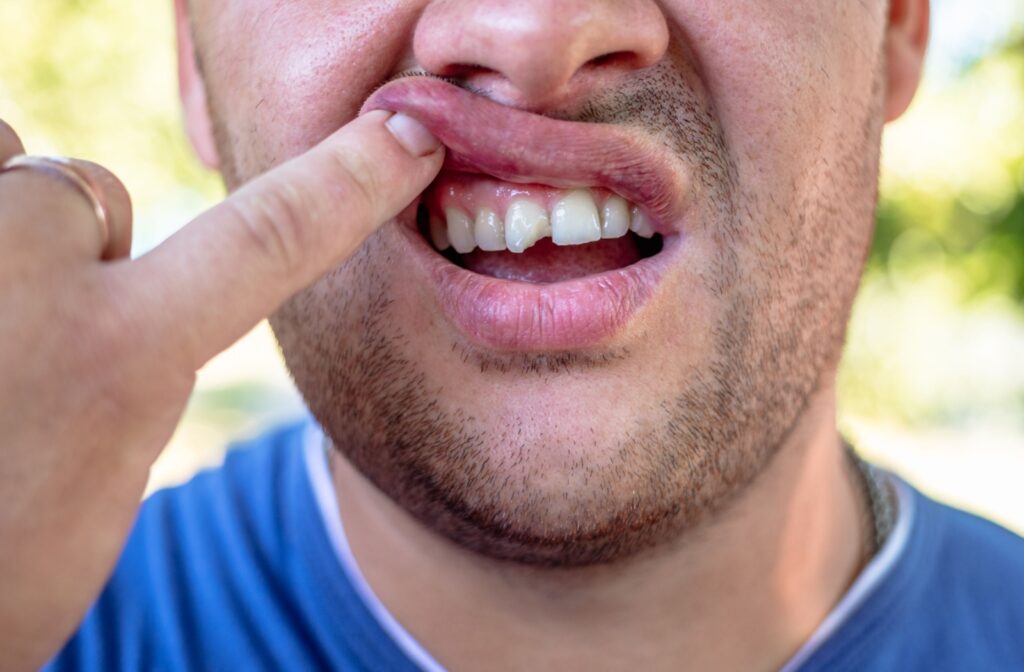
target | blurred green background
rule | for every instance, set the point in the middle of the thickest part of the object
(933, 379)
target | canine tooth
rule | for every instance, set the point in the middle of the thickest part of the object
(574, 219)
(641, 225)
(614, 217)
(490, 231)
(460, 230)
(526, 222)
(439, 233)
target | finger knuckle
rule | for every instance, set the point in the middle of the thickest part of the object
(275, 222)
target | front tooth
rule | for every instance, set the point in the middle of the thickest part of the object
(526, 222)
(614, 217)
(439, 233)
(490, 232)
(460, 230)
(574, 219)
(641, 225)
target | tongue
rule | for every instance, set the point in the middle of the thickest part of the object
(547, 262)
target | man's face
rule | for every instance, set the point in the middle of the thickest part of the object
(572, 404)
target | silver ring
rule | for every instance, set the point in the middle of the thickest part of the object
(64, 169)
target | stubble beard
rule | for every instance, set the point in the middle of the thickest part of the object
(780, 335)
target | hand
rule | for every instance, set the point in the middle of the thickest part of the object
(99, 356)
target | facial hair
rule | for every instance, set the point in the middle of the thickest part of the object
(693, 451)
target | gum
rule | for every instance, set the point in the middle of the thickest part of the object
(472, 193)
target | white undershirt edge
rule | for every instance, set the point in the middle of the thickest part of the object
(323, 492)
(868, 580)
(327, 502)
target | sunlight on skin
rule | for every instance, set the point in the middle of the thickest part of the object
(130, 122)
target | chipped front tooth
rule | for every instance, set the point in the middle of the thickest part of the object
(489, 230)
(460, 230)
(614, 217)
(526, 222)
(574, 219)
(641, 224)
(439, 233)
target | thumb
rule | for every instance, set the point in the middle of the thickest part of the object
(235, 264)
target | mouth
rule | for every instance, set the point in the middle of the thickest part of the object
(539, 234)
(533, 233)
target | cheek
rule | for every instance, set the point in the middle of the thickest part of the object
(284, 75)
(781, 74)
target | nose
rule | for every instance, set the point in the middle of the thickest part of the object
(538, 53)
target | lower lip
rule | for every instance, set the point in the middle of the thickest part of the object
(516, 316)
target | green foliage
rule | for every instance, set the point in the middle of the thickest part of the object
(953, 197)
(937, 335)
(97, 79)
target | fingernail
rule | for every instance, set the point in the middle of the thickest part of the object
(412, 135)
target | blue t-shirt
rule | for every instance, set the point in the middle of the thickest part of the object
(236, 571)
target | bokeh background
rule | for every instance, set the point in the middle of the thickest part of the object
(932, 384)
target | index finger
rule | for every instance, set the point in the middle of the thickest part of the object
(235, 264)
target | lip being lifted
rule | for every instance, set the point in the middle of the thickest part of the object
(512, 178)
(485, 137)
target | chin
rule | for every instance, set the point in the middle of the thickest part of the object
(567, 458)
(560, 354)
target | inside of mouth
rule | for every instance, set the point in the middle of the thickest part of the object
(545, 262)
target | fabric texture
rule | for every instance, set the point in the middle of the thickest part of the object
(235, 571)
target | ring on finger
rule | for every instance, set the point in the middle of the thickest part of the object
(64, 169)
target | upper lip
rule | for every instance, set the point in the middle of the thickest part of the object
(483, 136)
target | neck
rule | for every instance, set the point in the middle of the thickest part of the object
(741, 593)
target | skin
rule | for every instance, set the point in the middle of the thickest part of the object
(701, 512)
(97, 367)
(474, 490)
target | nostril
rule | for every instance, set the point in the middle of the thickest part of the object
(624, 59)
(464, 71)
(526, 52)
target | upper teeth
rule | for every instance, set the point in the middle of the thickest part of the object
(574, 220)
(526, 222)
(460, 230)
(615, 217)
